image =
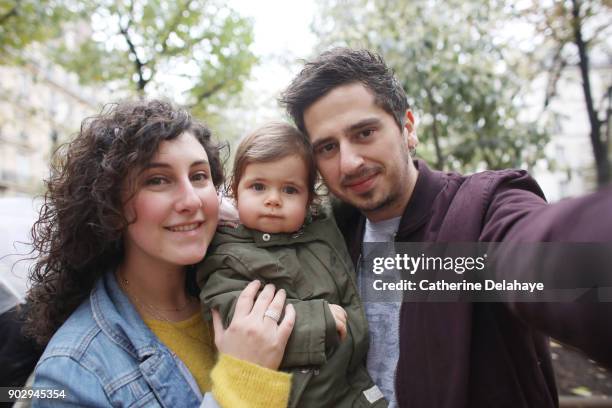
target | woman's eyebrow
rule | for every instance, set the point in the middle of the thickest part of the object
(153, 165)
(200, 162)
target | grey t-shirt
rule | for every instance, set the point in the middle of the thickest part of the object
(383, 318)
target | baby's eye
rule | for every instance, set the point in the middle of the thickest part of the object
(290, 190)
(258, 187)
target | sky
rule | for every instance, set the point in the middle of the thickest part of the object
(282, 37)
(279, 25)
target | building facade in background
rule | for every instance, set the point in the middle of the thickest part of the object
(41, 106)
(572, 170)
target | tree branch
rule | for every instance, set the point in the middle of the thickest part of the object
(434, 132)
(599, 150)
(558, 64)
(138, 64)
(606, 120)
(210, 92)
(11, 13)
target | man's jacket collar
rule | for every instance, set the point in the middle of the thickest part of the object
(418, 210)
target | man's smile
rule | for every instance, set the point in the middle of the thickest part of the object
(362, 182)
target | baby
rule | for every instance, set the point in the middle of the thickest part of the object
(286, 240)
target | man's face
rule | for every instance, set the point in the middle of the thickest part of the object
(360, 151)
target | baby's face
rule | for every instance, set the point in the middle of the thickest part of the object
(273, 196)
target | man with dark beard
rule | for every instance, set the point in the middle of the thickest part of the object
(357, 118)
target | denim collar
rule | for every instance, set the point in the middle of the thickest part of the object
(119, 320)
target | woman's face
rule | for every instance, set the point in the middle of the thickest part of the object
(174, 212)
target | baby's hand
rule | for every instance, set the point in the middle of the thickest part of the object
(340, 317)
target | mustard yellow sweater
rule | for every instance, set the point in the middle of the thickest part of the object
(234, 383)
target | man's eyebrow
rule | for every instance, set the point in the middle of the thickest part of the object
(362, 123)
(349, 129)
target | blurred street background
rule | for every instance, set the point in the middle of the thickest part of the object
(493, 84)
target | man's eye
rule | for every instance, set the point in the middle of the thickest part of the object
(290, 190)
(365, 133)
(258, 187)
(326, 148)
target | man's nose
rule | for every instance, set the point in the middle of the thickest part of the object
(350, 158)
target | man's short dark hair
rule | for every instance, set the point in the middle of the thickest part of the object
(343, 66)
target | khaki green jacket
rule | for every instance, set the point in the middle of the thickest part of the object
(314, 268)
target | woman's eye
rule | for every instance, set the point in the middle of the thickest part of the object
(258, 187)
(200, 176)
(156, 181)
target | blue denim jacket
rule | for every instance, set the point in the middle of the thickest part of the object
(105, 355)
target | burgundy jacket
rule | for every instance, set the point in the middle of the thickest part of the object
(490, 354)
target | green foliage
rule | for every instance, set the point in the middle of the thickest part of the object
(457, 74)
(23, 22)
(195, 51)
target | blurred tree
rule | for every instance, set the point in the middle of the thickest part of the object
(23, 22)
(195, 51)
(455, 71)
(573, 31)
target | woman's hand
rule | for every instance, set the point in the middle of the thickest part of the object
(254, 335)
(340, 317)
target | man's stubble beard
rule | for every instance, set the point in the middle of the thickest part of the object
(394, 194)
(386, 201)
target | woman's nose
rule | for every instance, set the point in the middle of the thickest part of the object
(188, 199)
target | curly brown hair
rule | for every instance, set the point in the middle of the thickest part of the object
(78, 234)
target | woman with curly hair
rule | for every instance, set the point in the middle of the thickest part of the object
(130, 207)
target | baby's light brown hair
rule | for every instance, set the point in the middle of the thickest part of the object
(268, 143)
